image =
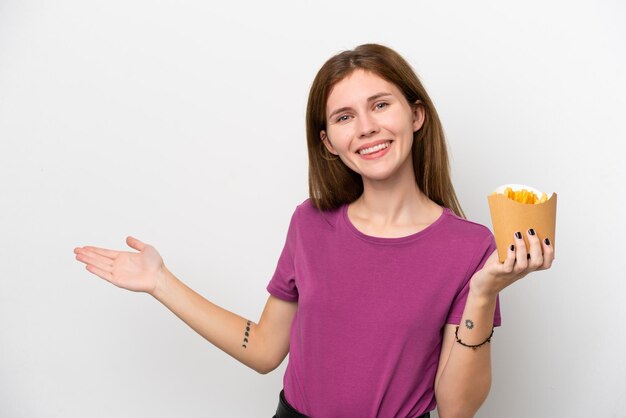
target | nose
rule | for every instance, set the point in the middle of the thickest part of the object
(367, 125)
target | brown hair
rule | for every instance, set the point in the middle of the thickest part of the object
(331, 182)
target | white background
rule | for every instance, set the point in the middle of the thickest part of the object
(182, 123)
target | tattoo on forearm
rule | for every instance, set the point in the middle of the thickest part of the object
(469, 324)
(247, 334)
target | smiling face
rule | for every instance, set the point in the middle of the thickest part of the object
(370, 125)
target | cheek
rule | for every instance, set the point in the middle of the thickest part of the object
(340, 136)
(399, 123)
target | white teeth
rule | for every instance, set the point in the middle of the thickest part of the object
(374, 148)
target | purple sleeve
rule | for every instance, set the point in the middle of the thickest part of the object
(487, 247)
(283, 282)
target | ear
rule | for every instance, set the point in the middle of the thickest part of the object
(327, 143)
(419, 114)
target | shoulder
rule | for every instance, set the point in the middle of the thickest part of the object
(307, 214)
(466, 229)
(471, 242)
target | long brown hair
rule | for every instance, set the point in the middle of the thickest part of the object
(331, 182)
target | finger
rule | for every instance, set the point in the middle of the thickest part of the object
(509, 261)
(108, 276)
(101, 251)
(95, 254)
(135, 243)
(521, 253)
(96, 260)
(548, 253)
(536, 258)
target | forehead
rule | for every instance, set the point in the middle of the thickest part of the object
(358, 86)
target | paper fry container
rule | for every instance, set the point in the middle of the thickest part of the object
(509, 216)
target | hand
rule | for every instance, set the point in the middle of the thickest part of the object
(139, 272)
(495, 276)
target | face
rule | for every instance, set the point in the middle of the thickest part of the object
(370, 125)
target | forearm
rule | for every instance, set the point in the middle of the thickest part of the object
(466, 379)
(220, 327)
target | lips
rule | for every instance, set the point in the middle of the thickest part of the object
(373, 144)
(376, 154)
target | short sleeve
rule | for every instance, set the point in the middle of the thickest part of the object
(283, 282)
(455, 315)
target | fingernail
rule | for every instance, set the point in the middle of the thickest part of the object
(512, 248)
(518, 235)
(547, 241)
(531, 231)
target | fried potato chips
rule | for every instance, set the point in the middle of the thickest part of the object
(524, 196)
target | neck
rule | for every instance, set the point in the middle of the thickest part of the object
(393, 201)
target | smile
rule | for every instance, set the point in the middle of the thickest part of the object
(376, 151)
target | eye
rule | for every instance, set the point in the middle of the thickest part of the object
(381, 105)
(342, 118)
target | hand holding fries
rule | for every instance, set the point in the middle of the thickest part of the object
(518, 208)
(520, 260)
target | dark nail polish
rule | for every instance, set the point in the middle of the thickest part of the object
(527, 256)
(531, 231)
(518, 235)
(512, 248)
(547, 241)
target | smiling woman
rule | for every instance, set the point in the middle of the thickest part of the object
(338, 107)
(372, 126)
(379, 268)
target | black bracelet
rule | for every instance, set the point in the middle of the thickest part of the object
(474, 347)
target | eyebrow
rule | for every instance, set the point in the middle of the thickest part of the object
(369, 99)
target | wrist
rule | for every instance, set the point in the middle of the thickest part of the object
(162, 283)
(482, 297)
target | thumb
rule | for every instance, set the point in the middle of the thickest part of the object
(135, 243)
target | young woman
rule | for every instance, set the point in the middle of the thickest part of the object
(384, 295)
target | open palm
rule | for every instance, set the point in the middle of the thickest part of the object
(138, 272)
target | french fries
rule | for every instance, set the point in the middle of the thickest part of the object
(524, 196)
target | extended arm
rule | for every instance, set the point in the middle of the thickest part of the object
(261, 346)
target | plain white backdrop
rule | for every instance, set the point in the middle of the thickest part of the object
(182, 123)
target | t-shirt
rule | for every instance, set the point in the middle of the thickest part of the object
(366, 337)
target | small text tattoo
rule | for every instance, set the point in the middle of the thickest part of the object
(247, 334)
(469, 324)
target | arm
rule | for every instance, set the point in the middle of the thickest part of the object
(463, 377)
(268, 341)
